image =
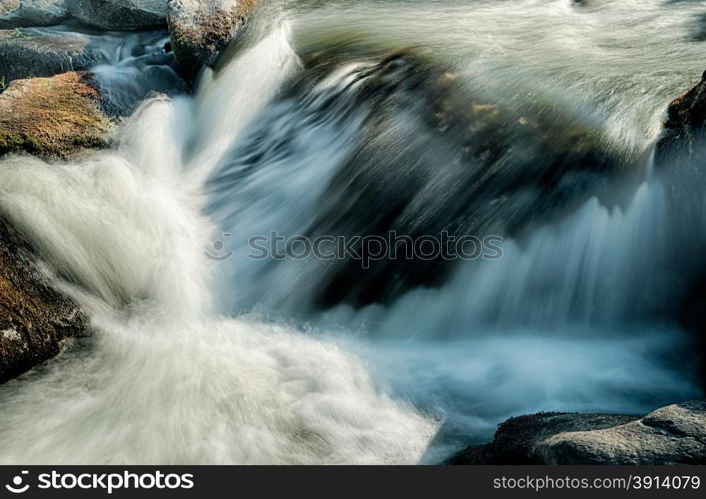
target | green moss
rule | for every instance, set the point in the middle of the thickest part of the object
(10, 142)
(85, 141)
(33, 145)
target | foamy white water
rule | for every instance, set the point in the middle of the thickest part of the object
(174, 373)
(167, 380)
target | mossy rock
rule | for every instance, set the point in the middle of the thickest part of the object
(53, 117)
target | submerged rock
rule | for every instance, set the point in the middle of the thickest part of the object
(436, 157)
(20, 13)
(684, 133)
(35, 319)
(200, 29)
(120, 14)
(29, 53)
(52, 117)
(675, 434)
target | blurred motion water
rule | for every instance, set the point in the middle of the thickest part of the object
(533, 120)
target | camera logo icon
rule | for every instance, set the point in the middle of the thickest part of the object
(16, 487)
(218, 251)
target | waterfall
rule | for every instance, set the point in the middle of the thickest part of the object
(166, 378)
(313, 127)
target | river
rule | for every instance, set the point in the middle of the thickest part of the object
(309, 127)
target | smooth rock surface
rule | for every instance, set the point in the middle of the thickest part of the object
(675, 434)
(120, 14)
(20, 13)
(28, 53)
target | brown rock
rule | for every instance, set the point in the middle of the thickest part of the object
(35, 319)
(684, 132)
(201, 29)
(52, 117)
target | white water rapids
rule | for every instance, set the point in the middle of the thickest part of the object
(173, 371)
(168, 381)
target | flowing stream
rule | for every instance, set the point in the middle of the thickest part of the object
(307, 127)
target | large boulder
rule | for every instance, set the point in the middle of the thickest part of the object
(53, 117)
(684, 133)
(35, 319)
(29, 53)
(19, 13)
(675, 434)
(120, 14)
(200, 29)
(435, 157)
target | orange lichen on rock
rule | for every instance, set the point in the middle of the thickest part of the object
(53, 117)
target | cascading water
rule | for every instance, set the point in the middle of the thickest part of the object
(194, 360)
(124, 228)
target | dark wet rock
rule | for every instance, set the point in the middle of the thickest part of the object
(435, 158)
(35, 319)
(27, 53)
(684, 133)
(21, 13)
(680, 160)
(53, 117)
(675, 434)
(200, 29)
(120, 14)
